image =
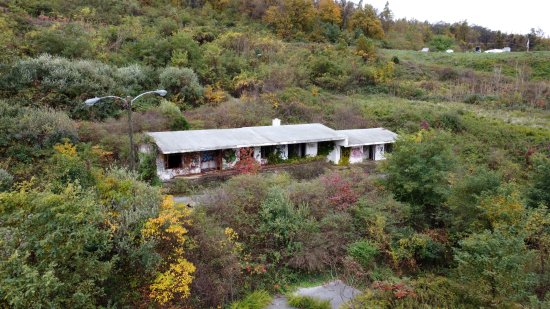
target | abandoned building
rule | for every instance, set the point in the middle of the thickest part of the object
(184, 153)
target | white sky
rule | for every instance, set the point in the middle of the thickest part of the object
(511, 16)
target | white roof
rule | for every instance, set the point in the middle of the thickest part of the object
(203, 140)
(362, 137)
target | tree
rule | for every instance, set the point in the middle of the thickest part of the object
(386, 17)
(492, 267)
(366, 21)
(172, 282)
(366, 48)
(418, 173)
(291, 17)
(182, 83)
(55, 248)
(441, 42)
(329, 12)
(465, 196)
(539, 192)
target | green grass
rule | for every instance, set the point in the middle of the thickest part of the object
(255, 300)
(538, 62)
(306, 302)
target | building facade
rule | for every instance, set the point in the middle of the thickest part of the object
(185, 153)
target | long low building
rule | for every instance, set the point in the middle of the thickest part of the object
(183, 153)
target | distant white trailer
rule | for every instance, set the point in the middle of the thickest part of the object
(494, 51)
(449, 51)
(425, 50)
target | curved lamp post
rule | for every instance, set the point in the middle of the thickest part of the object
(127, 104)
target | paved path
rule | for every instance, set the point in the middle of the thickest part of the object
(190, 201)
(335, 291)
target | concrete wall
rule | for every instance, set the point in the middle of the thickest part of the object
(258, 154)
(283, 151)
(166, 174)
(334, 155)
(379, 153)
(356, 155)
(311, 149)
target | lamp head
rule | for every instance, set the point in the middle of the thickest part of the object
(161, 92)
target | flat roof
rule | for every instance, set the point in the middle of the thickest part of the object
(203, 140)
(364, 137)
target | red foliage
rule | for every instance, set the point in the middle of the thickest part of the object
(247, 164)
(399, 290)
(424, 125)
(339, 190)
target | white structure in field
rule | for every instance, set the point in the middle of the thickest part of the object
(498, 51)
(181, 153)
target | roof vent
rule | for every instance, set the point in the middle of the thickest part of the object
(276, 122)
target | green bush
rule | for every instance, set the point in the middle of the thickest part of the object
(183, 82)
(307, 302)
(363, 252)
(441, 42)
(255, 300)
(174, 115)
(6, 180)
(147, 168)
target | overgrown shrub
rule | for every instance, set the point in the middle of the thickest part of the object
(6, 180)
(182, 82)
(364, 252)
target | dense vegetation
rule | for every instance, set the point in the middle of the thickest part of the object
(456, 217)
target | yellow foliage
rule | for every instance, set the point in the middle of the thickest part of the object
(66, 149)
(168, 224)
(214, 94)
(219, 4)
(271, 99)
(367, 21)
(385, 74)
(168, 229)
(503, 210)
(232, 238)
(291, 17)
(314, 91)
(173, 283)
(330, 12)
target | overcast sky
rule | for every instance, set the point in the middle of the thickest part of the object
(512, 16)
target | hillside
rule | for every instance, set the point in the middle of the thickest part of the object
(456, 217)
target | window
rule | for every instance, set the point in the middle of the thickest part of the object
(388, 148)
(296, 150)
(267, 151)
(173, 161)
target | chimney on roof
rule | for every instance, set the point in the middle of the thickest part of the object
(276, 122)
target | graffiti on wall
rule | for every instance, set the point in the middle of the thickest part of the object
(356, 153)
(207, 156)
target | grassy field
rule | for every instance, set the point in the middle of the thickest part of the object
(537, 62)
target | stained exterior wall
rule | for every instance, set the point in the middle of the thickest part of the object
(356, 155)
(283, 151)
(196, 163)
(258, 154)
(379, 153)
(311, 149)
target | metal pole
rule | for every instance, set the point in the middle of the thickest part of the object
(128, 103)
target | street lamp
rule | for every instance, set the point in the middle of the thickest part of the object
(127, 104)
